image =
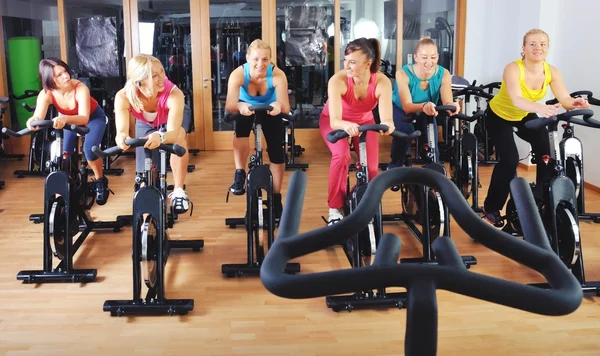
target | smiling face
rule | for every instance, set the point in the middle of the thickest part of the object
(259, 59)
(426, 58)
(356, 63)
(535, 47)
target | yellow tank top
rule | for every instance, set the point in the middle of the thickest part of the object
(503, 106)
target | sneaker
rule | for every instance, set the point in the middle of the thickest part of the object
(102, 190)
(334, 216)
(277, 206)
(237, 188)
(493, 217)
(179, 201)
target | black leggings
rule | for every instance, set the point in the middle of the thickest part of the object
(501, 134)
(273, 130)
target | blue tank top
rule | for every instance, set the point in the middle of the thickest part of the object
(419, 95)
(269, 97)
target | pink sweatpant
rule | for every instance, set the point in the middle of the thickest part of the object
(340, 161)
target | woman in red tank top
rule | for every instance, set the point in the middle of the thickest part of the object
(353, 93)
(72, 100)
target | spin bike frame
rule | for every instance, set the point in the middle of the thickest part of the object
(365, 242)
(560, 202)
(571, 149)
(62, 185)
(150, 208)
(259, 179)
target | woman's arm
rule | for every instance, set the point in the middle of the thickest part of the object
(446, 92)
(122, 106)
(384, 95)
(336, 88)
(175, 103)
(281, 89)
(41, 107)
(234, 83)
(404, 93)
(562, 94)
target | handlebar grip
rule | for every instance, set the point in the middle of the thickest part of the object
(533, 230)
(261, 107)
(336, 135)
(28, 108)
(108, 152)
(538, 123)
(445, 107)
(447, 254)
(388, 250)
(81, 130)
(593, 101)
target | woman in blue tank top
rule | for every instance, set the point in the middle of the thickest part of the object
(258, 82)
(419, 88)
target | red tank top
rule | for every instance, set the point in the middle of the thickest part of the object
(354, 110)
(75, 110)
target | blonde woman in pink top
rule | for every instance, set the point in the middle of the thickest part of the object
(161, 117)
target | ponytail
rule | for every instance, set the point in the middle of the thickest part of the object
(377, 54)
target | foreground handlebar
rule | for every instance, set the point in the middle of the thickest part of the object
(229, 117)
(568, 116)
(534, 252)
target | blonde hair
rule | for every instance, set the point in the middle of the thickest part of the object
(260, 44)
(424, 41)
(139, 69)
(535, 31)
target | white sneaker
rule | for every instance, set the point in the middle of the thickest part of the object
(334, 216)
(179, 200)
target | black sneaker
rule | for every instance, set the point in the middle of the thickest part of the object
(237, 188)
(494, 218)
(102, 190)
(277, 206)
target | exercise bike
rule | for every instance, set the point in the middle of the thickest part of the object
(571, 149)
(559, 205)
(421, 281)
(290, 149)
(67, 200)
(151, 245)
(424, 205)
(464, 162)
(259, 212)
(362, 246)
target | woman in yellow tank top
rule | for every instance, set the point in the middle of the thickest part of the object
(524, 83)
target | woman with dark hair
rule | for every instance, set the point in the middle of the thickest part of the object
(72, 100)
(353, 93)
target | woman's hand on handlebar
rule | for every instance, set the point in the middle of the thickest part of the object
(549, 110)
(120, 141)
(28, 124)
(276, 109)
(581, 103)
(59, 122)
(457, 105)
(244, 109)
(429, 109)
(153, 140)
(351, 128)
(390, 124)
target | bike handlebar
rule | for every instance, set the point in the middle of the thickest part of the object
(336, 135)
(577, 94)
(45, 124)
(29, 93)
(567, 116)
(229, 117)
(420, 280)
(475, 91)
(137, 142)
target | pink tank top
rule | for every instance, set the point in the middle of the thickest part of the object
(354, 110)
(161, 109)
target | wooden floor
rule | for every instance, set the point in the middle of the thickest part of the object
(238, 316)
